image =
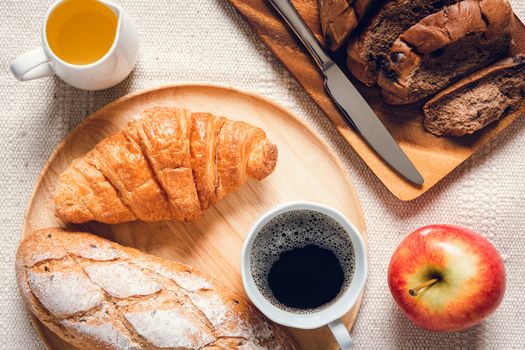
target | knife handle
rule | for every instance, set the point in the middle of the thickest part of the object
(294, 20)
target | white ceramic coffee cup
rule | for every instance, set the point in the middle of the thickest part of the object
(108, 71)
(332, 313)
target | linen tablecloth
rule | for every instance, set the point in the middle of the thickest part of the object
(207, 41)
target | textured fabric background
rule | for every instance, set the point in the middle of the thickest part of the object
(207, 41)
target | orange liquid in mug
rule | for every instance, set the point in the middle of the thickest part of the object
(81, 31)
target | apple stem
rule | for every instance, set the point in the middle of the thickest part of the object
(413, 292)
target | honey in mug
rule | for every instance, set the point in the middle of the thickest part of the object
(81, 32)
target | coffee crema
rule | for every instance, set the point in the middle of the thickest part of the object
(302, 261)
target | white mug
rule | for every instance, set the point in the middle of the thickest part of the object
(108, 71)
(329, 315)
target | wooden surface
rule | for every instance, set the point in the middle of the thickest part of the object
(307, 169)
(434, 157)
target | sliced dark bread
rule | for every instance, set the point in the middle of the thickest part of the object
(476, 101)
(368, 51)
(339, 18)
(445, 47)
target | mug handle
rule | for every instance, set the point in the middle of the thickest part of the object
(341, 334)
(31, 65)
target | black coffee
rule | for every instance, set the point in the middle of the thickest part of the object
(296, 277)
(302, 260)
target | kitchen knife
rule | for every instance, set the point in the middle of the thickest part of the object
(350, 102)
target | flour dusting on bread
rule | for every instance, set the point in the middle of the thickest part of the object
(213, 307)
(97, 294)
(103, 332)
(120, 280)
(64, 293)
(184, 279)
(169, 329)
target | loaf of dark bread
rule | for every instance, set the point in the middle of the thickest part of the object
(480, 99)
(445, 47)
(339, 18)
(367, 52)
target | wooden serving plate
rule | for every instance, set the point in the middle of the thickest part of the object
(307, 169)
(433, 156)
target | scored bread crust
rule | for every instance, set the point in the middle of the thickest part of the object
(169, 164)
(94, 293)
(339, 18)
(443, 124)
(493, 18)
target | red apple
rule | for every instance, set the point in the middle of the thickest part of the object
(446, 278)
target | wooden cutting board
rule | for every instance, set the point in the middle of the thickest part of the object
(433, 156)
(307, 169)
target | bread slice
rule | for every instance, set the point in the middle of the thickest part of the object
(339, 18)
(476, 101)
(367, 52)
(445, 47)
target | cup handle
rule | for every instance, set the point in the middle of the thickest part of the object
(341, 334)
(31, 65)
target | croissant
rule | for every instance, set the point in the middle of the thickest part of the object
(169, 164)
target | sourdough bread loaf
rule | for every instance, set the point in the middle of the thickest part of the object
(339, 18)
(96, 294)
(476, 101)
(368, 52)
(445, 47)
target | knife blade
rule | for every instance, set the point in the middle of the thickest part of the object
(352, 105)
